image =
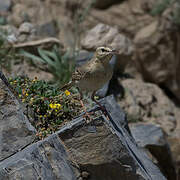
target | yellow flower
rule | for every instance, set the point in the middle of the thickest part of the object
(55, 106)
(67, 93)
(58, 106)
(27, 94)
(52, 106)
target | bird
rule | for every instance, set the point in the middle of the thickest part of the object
(92, 75)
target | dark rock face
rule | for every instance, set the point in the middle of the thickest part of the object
(15, 130)
(100, 150)
(151, 137)
(5, 5)
(100, 153)
(45, 160)
(105, 148)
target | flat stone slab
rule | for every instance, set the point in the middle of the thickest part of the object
(105, 149)
(45, 160)
(15, 130)
(100, 150)
(152, 137)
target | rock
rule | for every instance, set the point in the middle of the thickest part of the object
(156, 40)
(104, 35)
(156, 55)
(26, 28)
(146, 32)
(174, 141)
(128, 16)
(104, 147)
(47, 29)
(45, 159)
(146, 102)
(82, 57)
(9, 29)
(26, 32)
(5, 5)
(15, 130)
(19, 15)
(151, 137)
(23, 68)
(101, 149)
(11, 33)
(105, 4)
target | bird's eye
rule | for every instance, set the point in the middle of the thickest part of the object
(103, 50)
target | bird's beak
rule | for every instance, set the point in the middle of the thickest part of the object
(114, 52)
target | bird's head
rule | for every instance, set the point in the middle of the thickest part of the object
(104, 53)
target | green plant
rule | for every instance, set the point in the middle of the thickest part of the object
(51, 107)
(60, 65)
(160, 7)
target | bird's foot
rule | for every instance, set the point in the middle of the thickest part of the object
(88, 117)
(104, 111)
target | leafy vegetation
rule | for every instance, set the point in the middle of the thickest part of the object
(161, 6)
(51, 107)
(60, 65)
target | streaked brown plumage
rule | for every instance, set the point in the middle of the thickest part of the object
(91, 76)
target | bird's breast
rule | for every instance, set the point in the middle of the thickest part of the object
(96, 79)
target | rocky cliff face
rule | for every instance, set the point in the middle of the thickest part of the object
(148, 46)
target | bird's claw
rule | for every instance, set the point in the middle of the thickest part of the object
(88, 117)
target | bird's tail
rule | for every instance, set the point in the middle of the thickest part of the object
(67, 86)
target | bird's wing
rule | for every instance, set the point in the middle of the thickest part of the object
(82, 72)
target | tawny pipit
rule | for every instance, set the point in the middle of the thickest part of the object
(91, 76)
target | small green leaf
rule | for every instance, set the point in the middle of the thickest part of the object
(31, 56)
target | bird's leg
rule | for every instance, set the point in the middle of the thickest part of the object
(101, 107)
(87, 114)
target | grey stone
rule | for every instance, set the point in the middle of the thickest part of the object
(45, 160)
(151, 137)
(146, 102)
(26, 28)
(47, 29)
(109, 152)
(5, 5)
(106, 153)
(15, 130)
